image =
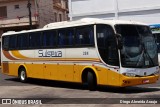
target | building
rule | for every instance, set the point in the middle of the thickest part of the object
(147, 11)
(52, 11)
(14, 14)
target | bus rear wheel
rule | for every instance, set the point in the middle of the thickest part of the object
(91, 80)
(22, 75)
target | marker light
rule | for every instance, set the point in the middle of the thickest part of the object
(129, 74)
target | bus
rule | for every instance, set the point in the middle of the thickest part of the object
(155, 28)
(89, 51)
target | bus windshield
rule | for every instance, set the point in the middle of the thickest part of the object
(155, 28)
(157, 36)
(139, 46)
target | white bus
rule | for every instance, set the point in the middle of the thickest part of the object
(93, 51)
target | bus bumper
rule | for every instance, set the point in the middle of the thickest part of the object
(132, 81)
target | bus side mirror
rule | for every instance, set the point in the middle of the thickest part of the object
(119, 40)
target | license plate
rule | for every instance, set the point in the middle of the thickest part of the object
(145, 81)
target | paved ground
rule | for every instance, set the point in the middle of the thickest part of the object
(62, 94)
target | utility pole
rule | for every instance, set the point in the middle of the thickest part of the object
(70, 9)
(116, 9)
(30, 15)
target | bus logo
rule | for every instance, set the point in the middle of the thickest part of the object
(46, 53)
(6, 101)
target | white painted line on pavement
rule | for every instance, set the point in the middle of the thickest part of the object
(154, 87)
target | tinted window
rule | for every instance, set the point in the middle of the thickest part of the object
(61, 37)
(35, 40)
(5, 42)
(157, 36)
(13, 42)
(107, 44)
(84, 35)
(65, 37)
(22, 41)
(69, 37)
(49, 38)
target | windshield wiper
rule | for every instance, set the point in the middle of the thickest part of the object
(144, 52)
(142, 55)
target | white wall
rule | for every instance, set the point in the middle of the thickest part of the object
(135, 4)
(147, 11)
(91, 6)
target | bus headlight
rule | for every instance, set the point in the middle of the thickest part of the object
(129, 74)
(157, 72)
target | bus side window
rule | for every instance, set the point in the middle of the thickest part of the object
(84, 36)
(13, 42)
(69, 37)
(107, 45)
(22, 41)
(61, 38)
(65, 37)
(5, 42)
(35, 40)
(49, 38)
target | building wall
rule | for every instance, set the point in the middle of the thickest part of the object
(12, 13)
(42, 13)
(17, 19)
(146, 11)
(47, 10)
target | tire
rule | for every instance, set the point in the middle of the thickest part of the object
(91, 80)
(22, 75)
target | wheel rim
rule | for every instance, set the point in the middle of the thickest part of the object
(23, 75)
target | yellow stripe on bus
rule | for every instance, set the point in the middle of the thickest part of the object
(62, 59)
(8, 55)
(18, 55)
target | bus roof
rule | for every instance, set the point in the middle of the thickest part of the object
(81, 22)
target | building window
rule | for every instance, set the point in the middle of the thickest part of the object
(3, 11)
(16, 6)
(55, 17)
(66, 4)
(60, 17)
(56, 1)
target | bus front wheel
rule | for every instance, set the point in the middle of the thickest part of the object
(91, 80)
(22, 75)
